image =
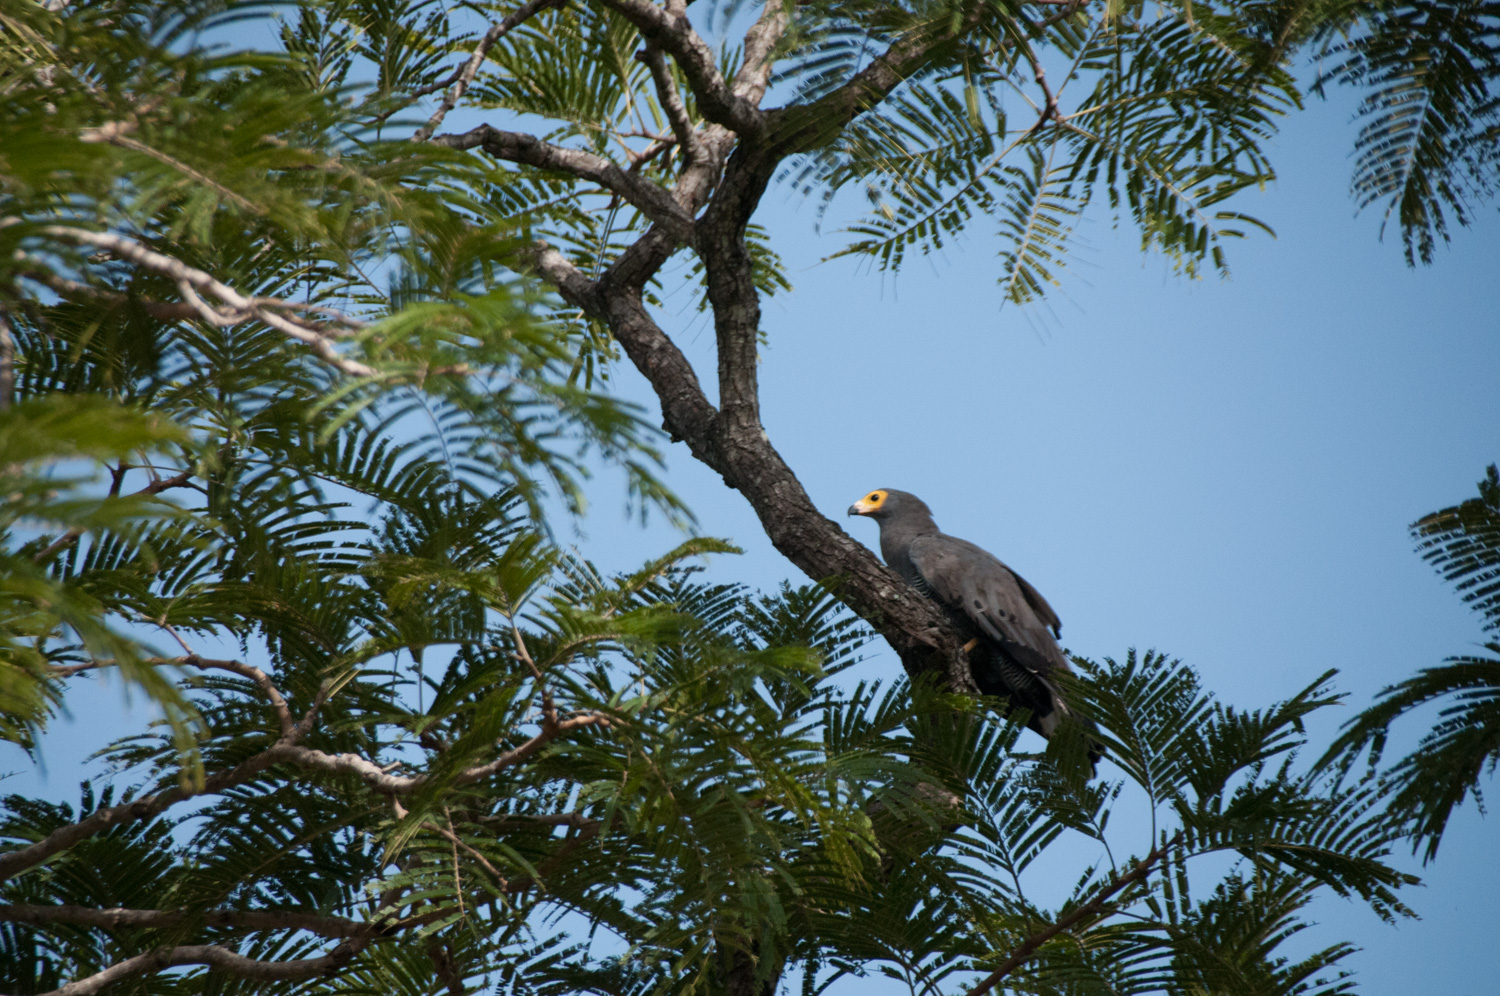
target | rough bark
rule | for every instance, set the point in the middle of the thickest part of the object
(728, 163)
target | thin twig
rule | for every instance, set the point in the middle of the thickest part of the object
(1093, 908)
(1069, 8)
(1048, 111)
(549, 708)
(458, 842)
(217, 958)
(290, 730)
(645, 196)
(465, 75)
(458, 882)
(337, 324)
(116, 133)
(70, 537)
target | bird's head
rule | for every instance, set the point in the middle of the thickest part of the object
(885, 503)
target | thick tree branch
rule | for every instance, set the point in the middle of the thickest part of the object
(1094, 908)
(465, 74)
(671, 104)
(673, 34)
(744, 456)
(651, 200)
(760, 41)
(687, 414)
(570, 282)
(731, 281)
(800, 127)
(729, 438)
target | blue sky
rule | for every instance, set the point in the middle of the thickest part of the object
(1223, 470)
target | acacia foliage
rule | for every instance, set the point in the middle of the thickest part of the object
(281, 405)
(1452, 759)
(1428, 147)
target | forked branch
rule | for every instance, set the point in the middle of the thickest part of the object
(674, 34)
(651, 200)
(217, 303)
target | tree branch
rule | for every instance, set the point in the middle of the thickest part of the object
(465, 74)
(377, 779)
(289, 728)
(729, 438)
(74, 290)
(459, 843)
(914, 626)
(254, 920)
(148, 807)
(673, 33)
(116, 133)
(730, 272)
(651, 200)
(191, 281)
(286, 750)
(215, 957)
(800, 127)
(1048, 111)
(671, 104)
(373, 776)
(1095, 907)
(71, 536)
(760, 41)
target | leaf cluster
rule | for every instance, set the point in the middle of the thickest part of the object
(1451, 760)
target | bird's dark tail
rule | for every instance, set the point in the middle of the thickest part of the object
(1071, 737)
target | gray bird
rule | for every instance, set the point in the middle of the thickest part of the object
(1009, 627)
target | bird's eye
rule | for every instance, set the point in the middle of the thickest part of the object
(874, 498)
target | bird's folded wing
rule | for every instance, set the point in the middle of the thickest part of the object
(973, 581)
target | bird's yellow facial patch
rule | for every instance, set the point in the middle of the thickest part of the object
(871, 502)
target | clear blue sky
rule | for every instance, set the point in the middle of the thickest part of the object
(1221, 470)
